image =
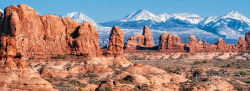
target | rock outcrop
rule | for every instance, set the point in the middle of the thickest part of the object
(37, 35)
(170, 43)
(10, 58)
(14, 70)
(48, 34)
(115, 47)
(144, 40)
(247, 38)
(86, 43)
(148, 40)
(22, 80)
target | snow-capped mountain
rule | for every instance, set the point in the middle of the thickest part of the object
(80, 17)
(144, 15)
(1, 10)
(237, 16)
(231, 26)
(192, 18)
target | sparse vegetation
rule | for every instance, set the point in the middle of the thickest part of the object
(41, 69)
(108, 89)
(204, 61)
(197, 62)
(50, 80)
(59, 56)
(229, 65)
(77, 83)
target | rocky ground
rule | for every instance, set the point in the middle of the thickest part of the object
(152, 70)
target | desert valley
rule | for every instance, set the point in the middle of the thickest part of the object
(51, 53)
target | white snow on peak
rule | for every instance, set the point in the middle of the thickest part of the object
(164, 16)
(1, 10)
(80, 17)
(192, 18)
(143, 15)
(209, 19)
(236, 15)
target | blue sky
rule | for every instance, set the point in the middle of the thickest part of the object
(107, 10)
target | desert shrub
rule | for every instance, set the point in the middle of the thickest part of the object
(76, 83)
(197, 62)
(242, 73)
(50, 80)
(204, 61)
(91, 81)
(41, 69)
(30, 65)
(59, 56)
(197, 72)
(37, 65)
(239, 66)
(229, 65)
(108, 89)
(80, 89)
(91, 74)
(124, 81)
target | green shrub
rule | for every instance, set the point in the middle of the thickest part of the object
(240, 66)
(205, 61)
(197, 62)
(242, 73)
(108, 89)
(229, 65)
(80, 89)
(41, 69)
(76, 83)
(50, 80)
(59, 56)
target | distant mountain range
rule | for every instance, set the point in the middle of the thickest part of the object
(230, 26)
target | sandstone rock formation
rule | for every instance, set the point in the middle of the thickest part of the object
(214, 84)
(116, 40)
(148, 40)
(48, 34)
(10, 59)
(14, 71)
(115, 47)
(170, 42)
(144, 40)
(247, 38)
(86, 43)
(22, 80)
